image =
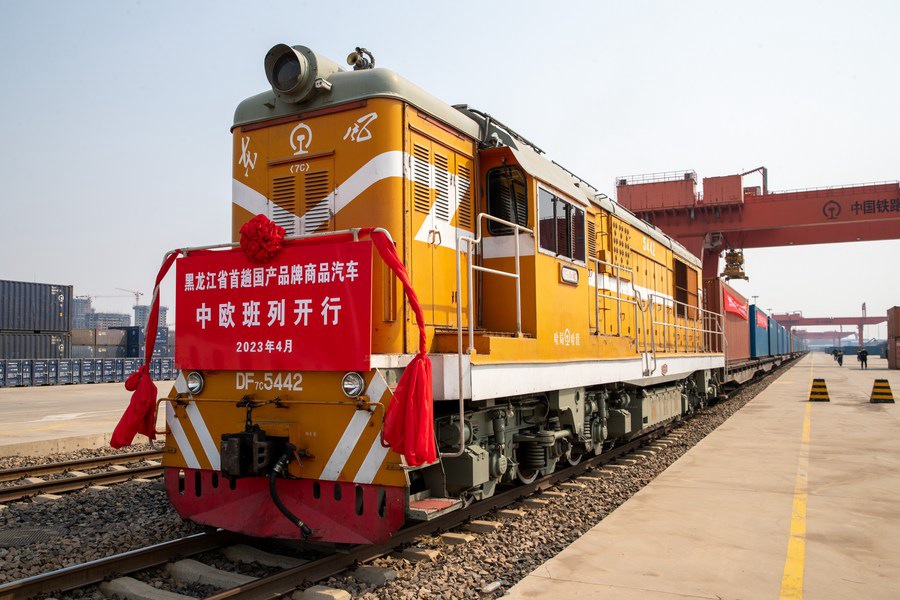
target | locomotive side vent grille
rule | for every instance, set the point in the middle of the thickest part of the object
(315, 188)
(442, 187)
(421, 174)
(592, 238)
(284, 204)
(464, 189)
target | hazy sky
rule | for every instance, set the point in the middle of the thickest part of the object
(117, 114)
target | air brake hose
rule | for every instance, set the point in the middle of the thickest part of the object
(280, 466)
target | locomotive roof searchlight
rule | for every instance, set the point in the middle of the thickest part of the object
(296, 72)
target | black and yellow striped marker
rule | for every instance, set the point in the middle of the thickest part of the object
(881, 392)
(819, 393)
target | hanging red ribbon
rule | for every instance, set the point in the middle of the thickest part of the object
(140, 416)
(409, 422)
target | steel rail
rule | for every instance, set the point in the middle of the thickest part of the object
(78, 464)
(69, 484)
(96, 571)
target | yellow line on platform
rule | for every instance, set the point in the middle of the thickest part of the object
(792, 578)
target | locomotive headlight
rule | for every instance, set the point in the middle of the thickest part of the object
(352, 384)
(289, 72)
(195, 382)
(296, 73)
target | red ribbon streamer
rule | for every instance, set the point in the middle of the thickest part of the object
(409, 422)
(140, 416)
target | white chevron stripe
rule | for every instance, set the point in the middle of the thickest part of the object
(372, 462)
(206, 440)
(181, 383)
(180, 438)
(248, 198)
(345, 446)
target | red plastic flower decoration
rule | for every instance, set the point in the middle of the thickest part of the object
(261, 239)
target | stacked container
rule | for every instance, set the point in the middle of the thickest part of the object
(721, 298)
(893, 337)
(35, 319)
(759, 332)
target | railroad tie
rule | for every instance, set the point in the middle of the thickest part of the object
(818, 392)
(881, 392)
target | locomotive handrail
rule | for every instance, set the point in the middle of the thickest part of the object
(618, 297)
(472, 267)
(699, 327)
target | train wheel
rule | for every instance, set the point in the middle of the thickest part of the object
(572, 458)
(526, 476)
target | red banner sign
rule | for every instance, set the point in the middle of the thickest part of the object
(309, 309)
(733, 305)
(762, 321)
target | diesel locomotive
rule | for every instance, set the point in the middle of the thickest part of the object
(557, 324)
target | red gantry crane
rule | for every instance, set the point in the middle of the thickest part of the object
(730, 216)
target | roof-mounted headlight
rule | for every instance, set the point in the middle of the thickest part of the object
(296, 72)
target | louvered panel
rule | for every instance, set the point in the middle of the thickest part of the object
(284, 203)
(521, 207)
(316, 187)
(592, 238)
(441, 187)
(464, 189)
(421, 177)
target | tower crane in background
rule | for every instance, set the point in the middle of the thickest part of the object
(137, 295)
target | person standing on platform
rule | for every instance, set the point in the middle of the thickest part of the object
(834, 352)
(840, 358)
(863, 357)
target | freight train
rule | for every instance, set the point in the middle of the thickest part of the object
(550, 322)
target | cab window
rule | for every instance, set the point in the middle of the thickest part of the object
(506, 199)
(561, 226)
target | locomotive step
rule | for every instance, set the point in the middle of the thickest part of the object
(427, 509)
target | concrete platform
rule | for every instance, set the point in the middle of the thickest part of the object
(60, 418)
(787, 498)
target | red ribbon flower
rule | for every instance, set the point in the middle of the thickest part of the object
(261, 239)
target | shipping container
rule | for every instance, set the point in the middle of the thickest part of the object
(166, 368)
(53, 371)
(893, 322)
(893, 345)
(759, 332)
(108, 370)
(17, 344)
(35, 307)
(82, 352)
(110, 337)
(64, 371)
(735, 318)
(84, 336)
(39, 372)
(2, 373)
(76, 371)
(87, 370)
(13, 372)
(156, 369)
(25, 372)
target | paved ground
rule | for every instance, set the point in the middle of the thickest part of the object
(787, 498)
(60, 418)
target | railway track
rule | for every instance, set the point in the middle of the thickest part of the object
(21, 491)
(286, 580)
(283, 582)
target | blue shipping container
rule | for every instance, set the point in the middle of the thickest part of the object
(64, 372)
(76, 371)
(25, 372)
(39, 372)
(2, 373)
(759, 332)
(13, 372)
(53, 371)
(87, 370)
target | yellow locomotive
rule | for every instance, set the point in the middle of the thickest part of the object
(557, 323)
